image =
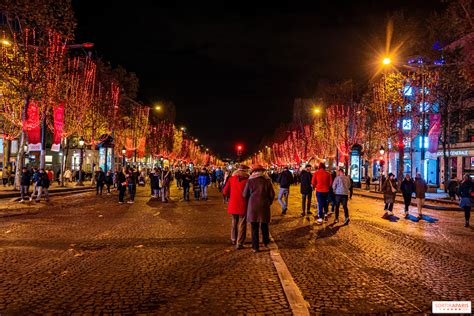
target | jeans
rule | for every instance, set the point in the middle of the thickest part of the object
(24, 191)
(156, 192)
(196, 194)
(342, 199)
(284, 192)
(306, 202)
(165, 191)
(186, 193)
(420, 202)
(99, 187)
(204, 191)
(322, 203)
(467, 213)
(40, 192)
(121, 189)
(407, 201)
(239, 229)
(132, 188)
(255, 234)
(108, 187)
(388, 207)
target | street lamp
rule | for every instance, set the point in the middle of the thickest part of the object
(317, 110)
(6, 42)
(386, 61)
(81, 157)
(158, 108)
(183, 128)
(196, 140)
(124, 151)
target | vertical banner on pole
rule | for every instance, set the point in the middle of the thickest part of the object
(58, 126)
(32, 126)
(434, 132)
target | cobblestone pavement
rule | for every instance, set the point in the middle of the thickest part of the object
(377, 265)
(87, 254)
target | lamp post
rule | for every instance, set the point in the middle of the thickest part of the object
(81, 157)
(382, 162)
(124, 151)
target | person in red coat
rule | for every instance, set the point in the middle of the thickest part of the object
(233, 190)
(321, 182)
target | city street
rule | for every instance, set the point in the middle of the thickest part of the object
(88, 254)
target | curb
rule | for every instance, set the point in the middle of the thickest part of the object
(428, 206)
(16, 197)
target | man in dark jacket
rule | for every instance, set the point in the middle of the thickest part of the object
(186, 180)
(43, 185)
(109, 180)
(259, 195)
(407, 187)
(420, 190)
(24, 183)
(99, 180)
(465, 193)
(121, 184)
(306, 190)
(285, 179)
(35, 179)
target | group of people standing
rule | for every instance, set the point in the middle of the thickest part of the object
(330, 188)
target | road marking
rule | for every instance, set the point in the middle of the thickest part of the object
(292, 292)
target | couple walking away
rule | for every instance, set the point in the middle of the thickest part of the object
(250, 197)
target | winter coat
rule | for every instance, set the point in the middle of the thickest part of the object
(67, 174)
(322, 181)
(306, 178)
(259, 195)
(465, 191)
(204, 179)
(121, 178)
(341, 185)
(109, 178)
(25, 178)
(285, 179)
(36, 177)
(389, 190)
(407, 187)
(234, 189)
(220, 175)
(132, 178)
(186, 179)
(43, 180)
(165, 178)
(100, 176)
(453, 185)
(155, 180)
(420, 188)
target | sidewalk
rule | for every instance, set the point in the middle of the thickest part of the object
(8, 192)
(434, 201)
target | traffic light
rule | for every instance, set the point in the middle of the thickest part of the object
(381, 161)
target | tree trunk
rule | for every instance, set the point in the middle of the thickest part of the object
(21, 151)
(6, 152)
(43, 142)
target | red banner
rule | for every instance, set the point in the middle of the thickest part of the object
(32, 127)
(434, 132)
(58, 126)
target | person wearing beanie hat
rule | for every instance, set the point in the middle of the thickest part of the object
(259, 195)
(237, 208)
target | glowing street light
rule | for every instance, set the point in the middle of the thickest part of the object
(6, 42)
(183, 128)
(382, 150)
(196, 140)
(158, 108)
(317, 110)
(386, 61)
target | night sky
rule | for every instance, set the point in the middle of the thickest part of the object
(234, 71)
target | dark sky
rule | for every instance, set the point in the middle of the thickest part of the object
(233, 71)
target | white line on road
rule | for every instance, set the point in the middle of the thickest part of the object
(292, 292)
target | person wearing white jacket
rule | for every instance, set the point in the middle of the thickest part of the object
(341, 186)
